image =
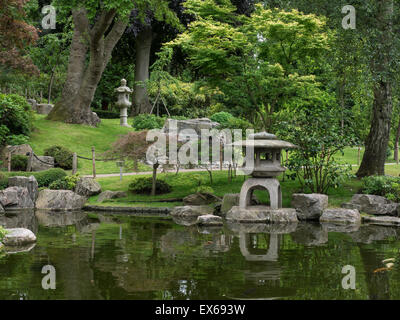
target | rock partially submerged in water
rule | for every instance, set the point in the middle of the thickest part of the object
(341, 216)
(191, 211)
(383, 220)
(370, 233)
(18, 237)
(278, 228)
(310, 234)
(16, 198)
(373, 204)
(59, 200)
(199, 199)
(309, 206)
(209, 220)
(262, 214)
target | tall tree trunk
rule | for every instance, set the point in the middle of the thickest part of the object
(82, 81)
(143, 47)
(376, 145)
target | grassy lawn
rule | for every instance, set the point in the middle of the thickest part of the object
(186, 183)
(80, 139)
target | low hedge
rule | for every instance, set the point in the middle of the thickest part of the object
(143, 185)
(44, 178)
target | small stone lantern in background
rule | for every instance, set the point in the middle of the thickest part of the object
(123, 102)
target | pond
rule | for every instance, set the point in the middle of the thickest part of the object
(101, 256)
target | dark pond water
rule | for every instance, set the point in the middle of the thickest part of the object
(120, 257)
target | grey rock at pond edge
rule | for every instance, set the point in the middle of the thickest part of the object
(15, 198)
(87, 187)
(349, 205)
(20, 248)
(310, 234)
(185, 221)
(382, 220)
(25, 182)
(199, 199)
(375, 205)
(209, 220)
(108, 195)
(309, 206)
(2, 211)
(190, 211)
(42, 163)
(262, 214)
(18, 237)
(341, 215)
(59, 200)
(44, 108)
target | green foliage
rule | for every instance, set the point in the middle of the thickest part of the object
(63, 157)
(19, 163)
(314, 127)
(15, 116)
(205, 189)
(143, 185)
(65, 183)
(385, 186)
(147, 122)
(16, 140)
(3, 233)
(221, 117)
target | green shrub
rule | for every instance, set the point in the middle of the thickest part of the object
(385, 186)
(62, 156)
(147, 122)
(19, 163)
(60, 184)
(45, 178)
(228, 121)
(17, 139)
(221, 117)
(143, 185)
(15, 114)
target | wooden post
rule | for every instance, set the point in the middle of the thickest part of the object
(9, 161)
(94, 162)
(74, 163)
(220, 155)
(41, 96)
(30, 160)
(26, 93)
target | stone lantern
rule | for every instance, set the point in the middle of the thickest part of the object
(267, 166)
(123, 102)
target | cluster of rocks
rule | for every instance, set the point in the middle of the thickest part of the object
(23, 194)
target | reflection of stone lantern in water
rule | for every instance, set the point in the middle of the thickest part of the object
(123, 102)
(267, 166)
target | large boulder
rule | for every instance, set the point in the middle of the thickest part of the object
(18, 237)
(199, 199)
(22, 150)
(44, 108)
(375, 205)
(209, 220)
(262, 214)
(341, 216)
(16, 198)
(41, 163)
(87, 187)
(59, 200)
(25, 182)
(309, 206)
(108, 195)
(191, 211)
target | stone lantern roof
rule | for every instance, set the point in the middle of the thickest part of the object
(265, 140)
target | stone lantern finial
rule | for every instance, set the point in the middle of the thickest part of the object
(123, 102)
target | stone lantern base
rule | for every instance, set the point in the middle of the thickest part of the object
(274, 213)
(124, 118)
